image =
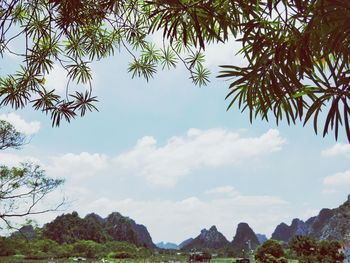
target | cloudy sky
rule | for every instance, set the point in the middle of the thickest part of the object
(169, 155)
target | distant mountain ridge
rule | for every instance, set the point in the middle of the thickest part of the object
(207, 239)
(69, 228)
(261, 238)
(167, 245)
(328, 224)
(213, 240)
(185, 242)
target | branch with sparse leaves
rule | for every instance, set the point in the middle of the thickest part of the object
(23, 189)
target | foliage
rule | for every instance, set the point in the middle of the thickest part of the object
(303, 245)
(309, 250)
(5, 248)
(297, 52)
(69, 228)
(270, 251)
(71, 35)
(9, 137)
(43, 248)
(22, 188)
(88, 248)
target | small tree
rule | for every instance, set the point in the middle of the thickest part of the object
(9, 137)
(22, 188)
(270, 251)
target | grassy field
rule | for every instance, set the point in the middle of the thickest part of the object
(18, 259)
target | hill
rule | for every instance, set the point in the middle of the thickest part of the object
(207, 240)
(69, 228)
(244, 234)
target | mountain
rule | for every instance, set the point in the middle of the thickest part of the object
(167, 245)
(185, 242)
(243, 234)
(284, 232)
(122, 228)
(68, 228)
(262, 238)
(207, 240)
(26, 231)
(328, 224)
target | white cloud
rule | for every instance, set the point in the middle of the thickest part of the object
(164, 218)
(21, 125)
(12, 160)
(224, 54)
(57, 79)
(225, 190)
(310, 212)
(77, 166)
(337, 180)
(336, 150)
(181, 155)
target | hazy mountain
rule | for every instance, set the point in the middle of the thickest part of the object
(185, 243)
(261, 238)
(167, 245)
(328, 224)
(284, 232)
(208, 240)
(25, 231)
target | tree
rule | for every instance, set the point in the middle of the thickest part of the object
(309, 250)
(270, 251)
(9, 137)
(297, 52)
(303, 245)
(22, 188)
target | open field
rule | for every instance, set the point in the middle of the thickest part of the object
(15, 259)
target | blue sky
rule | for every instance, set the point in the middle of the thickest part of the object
(169, 155)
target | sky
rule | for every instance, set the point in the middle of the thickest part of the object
(168, 155)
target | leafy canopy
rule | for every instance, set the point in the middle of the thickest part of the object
(308, 249)
(297, 52)
(270, 251)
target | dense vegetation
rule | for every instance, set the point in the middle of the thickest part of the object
(302, 248)
(307, 249)
(270, 251)
(69, 228)
(46, 248)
